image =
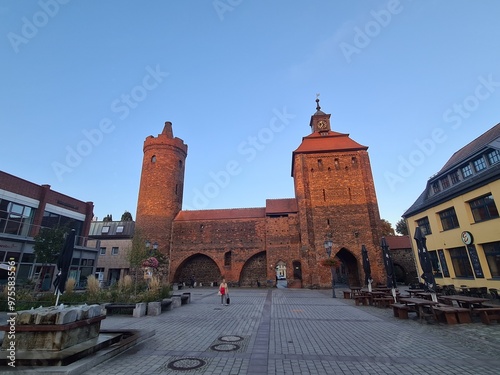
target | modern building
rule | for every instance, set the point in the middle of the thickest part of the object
(25, 208)
(335, 202)
(114, 240)
(458, 214)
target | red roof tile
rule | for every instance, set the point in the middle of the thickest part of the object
(398, 242)
(230, 213)
(332, 142)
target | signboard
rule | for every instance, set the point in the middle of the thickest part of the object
(444, 265)
(474, 259)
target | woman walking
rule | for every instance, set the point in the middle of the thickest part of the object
(223, 292)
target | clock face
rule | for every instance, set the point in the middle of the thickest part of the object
(322, 125)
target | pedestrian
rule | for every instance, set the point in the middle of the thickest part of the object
(223, 292)
(192, 281)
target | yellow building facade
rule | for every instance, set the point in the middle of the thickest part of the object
(459, 215)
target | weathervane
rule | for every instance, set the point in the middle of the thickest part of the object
(317, 102)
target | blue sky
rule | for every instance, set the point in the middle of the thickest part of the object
(82, 84)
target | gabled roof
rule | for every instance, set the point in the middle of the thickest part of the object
(219, 214)
(332, 141)
(477, 146)
(281, 206)
(472, 148)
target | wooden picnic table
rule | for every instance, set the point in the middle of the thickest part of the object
(413, 292)
(420, 305)
(426, 295)
(464, 301)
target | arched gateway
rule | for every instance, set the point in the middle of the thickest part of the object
(334, 193)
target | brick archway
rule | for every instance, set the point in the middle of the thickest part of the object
(254, 270)
(350, 263)
(202, 267)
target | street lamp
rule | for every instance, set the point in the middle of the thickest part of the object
(328, 247)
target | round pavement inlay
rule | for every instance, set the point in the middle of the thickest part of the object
(225, 347)
(185, 364)
(232, 338)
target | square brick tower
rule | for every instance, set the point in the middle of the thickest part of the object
(336, 199)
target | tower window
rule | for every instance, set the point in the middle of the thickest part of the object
(336, 162)
(180, 163)
(153, 159)
(320, 163)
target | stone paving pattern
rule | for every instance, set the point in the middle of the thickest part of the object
(298, 331)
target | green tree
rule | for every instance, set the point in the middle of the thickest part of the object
(48, 245)
(127, 216)
(108, 218)
(137, 253)
(387, 229)
(401, 227)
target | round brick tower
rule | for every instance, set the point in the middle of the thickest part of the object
(161, 187)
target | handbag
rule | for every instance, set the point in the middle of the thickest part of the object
(228, 299)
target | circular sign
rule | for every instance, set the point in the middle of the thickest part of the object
(467, 237)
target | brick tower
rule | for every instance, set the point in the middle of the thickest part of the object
(336, 199)
(161, 187)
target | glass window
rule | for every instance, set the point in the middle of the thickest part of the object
(492, 252)
(494, 156)
(445, 183)
(483, 208)
(455, 178)
(479, 164)
(102, 251)
(449, 219)
(119, 229)
(435, 263)
(435, 187)
(460, 262)
(467, 171)
(114, 251)
(105, 230)
(424, 225)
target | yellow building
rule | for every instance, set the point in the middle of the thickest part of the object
(458, 214)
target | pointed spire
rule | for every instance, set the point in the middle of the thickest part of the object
(317, 102)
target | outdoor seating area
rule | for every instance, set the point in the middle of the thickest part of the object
(461, 307)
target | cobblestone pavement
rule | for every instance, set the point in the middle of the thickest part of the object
(298, 331)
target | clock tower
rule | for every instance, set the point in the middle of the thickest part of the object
(336, 200)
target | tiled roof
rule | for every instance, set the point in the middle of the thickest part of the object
(398, 242)
(281, 206)
(470, 149)
(333, 141)
(230, 213)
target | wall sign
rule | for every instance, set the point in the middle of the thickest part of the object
(467, 237)
(476, 265)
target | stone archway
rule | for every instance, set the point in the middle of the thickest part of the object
(254, 270)
(202, 267)
(348, 271)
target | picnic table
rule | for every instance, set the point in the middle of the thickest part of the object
(420, 305)
(413, 292)
(464, 301)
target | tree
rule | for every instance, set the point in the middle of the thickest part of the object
(108, 218)
(137, 253)
(48, 245)
(127, 216)
(387, 229)
(401, 227)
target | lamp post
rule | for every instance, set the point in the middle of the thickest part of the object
(328, 247)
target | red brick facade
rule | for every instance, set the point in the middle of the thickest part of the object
(334, 197)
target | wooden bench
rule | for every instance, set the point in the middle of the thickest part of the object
(400, 310)
(185, 297)
(383, 301)
(361, 300)
(451, 315)
(166, 304)
(488, 314)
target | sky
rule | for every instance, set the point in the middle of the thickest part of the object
(83, 83)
